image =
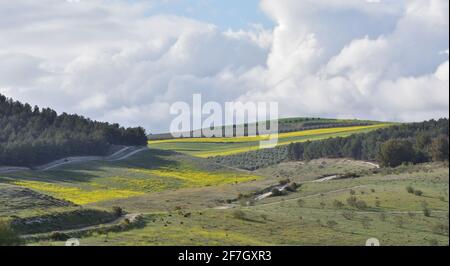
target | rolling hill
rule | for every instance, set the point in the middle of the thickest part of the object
(211, 147)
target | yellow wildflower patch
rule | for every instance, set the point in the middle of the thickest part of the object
(77, 195)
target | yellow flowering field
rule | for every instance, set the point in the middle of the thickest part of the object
(77, 195)
(196, 178)
(210, 147)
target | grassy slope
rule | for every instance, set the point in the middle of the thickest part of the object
(148, 172)
(210, 147)
(23, 202)
(281, 221)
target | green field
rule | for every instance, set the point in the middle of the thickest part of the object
(148, 172)
(392, 214)
(210, 147)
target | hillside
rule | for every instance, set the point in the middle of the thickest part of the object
(409, 143)
(338, 212)
(211, 147)
(285, 125)
(32, 136)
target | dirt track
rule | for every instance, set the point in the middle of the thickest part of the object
(130, 217)
(120, 155)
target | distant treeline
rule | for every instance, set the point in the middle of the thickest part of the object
(31, 136)
(392, 146)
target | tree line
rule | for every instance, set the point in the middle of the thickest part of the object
(391, 147)
(31, 136)
(404, 143)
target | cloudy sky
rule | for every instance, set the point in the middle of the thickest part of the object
(128, 61)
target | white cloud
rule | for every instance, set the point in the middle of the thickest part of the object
(336, 58)
(388, 74)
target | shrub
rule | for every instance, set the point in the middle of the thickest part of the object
(427, 212)
(349, 215)
(332, 224)
(58, 236)
(118, 211)
(352, 192)
(292, 187)
(418, 193)
(264, 217)
(360, 204)
(382, 217)
(410, 189)
(284, 182)
(276, 192)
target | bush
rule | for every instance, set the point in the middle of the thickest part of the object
(8, 237)
(292, 187)
(284, 182)
(301, 203)
(360, 204)
(276, 192)
(418, 193)
(410, 189)
(348, 215)
(427, 212)
(58, 236)
(118, 211)
(332, 224)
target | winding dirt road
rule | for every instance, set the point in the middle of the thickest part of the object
(120, 155)
(132, 218)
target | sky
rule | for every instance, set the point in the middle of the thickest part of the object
(128, 61)
(225, 14)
